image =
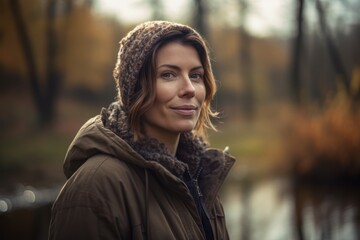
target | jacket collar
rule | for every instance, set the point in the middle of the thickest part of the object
(101, 135)
(192, 154)
(189, 152)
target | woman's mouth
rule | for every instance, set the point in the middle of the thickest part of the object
(185, 110)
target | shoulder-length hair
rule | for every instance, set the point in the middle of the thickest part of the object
(145, 89)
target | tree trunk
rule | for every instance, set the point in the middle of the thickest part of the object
(295, 73)
(199, 18)
(246, 64)
(52, 73)
(334, 54)
(25, 44)
(44, 99)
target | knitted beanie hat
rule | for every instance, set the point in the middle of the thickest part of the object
(135, 47)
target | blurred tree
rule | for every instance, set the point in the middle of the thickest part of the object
(333, 52)
(89, 51)
(297, 49)
(200, 17)
(157, 9)
(331, 56)
(246, 62)
(53, 77)
(58, 40)
(30, 60)
(44, 97)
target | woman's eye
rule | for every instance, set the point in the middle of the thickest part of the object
(197, 76)
(167, 75)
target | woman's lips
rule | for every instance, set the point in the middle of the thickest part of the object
(185, 110)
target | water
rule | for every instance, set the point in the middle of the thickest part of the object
(269, 209)
(27, 197)
(274, 210)
(25, 212)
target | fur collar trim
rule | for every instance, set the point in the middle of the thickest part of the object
(190, 150)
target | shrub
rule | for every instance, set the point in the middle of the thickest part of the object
(325, 146)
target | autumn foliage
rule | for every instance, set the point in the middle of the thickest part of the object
(325, 146)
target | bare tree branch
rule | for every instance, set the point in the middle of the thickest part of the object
(333, 52)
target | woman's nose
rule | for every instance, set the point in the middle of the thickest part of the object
(187, 88)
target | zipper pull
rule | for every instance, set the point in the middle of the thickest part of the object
(195, 181)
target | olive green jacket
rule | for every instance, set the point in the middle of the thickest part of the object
(114, 193)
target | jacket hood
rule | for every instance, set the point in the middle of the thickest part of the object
(93, 138)
(108, 134)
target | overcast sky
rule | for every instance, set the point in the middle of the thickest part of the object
(266, 17)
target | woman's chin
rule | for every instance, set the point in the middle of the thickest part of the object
(186, 128)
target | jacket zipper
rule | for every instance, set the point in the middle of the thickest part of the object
(194, 188)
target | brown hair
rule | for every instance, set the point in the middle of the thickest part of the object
(145, 93)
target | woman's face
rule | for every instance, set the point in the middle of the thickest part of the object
(180, 91)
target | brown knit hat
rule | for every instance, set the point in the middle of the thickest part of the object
(135, 47)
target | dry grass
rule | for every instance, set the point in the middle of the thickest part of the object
(325, 146)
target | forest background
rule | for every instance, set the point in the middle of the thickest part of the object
(57, 57)
(288, 92)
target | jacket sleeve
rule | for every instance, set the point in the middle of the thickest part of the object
(90, 206)
(82, 222)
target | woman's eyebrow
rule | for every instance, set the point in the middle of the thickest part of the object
(169, 66)
(197, 68)
(178, 68)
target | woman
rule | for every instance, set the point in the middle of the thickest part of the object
(141, 169)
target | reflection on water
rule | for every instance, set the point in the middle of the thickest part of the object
(275, 210)
(256, 210)
(327, 212)
(25, 212)
(27, 197)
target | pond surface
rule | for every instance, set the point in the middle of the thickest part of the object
(270, 209)
(25, 211)
(275, 210)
